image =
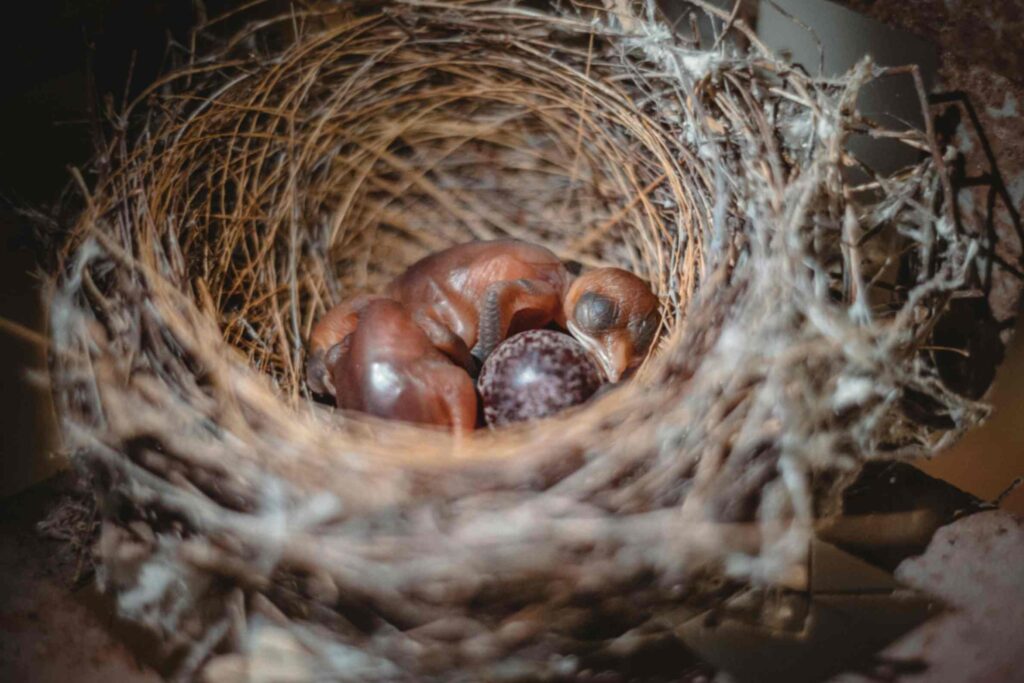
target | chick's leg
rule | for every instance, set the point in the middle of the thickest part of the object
(318, 377)
(460, 398)
(320, 369)
(502, 301)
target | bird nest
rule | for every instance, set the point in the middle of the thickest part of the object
(283, 167)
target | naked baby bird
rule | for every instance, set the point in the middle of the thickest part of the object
(615, 316)
(470, 297)
(389, 368)
(467, 299)
(330, 338)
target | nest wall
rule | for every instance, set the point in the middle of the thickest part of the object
(315, 154)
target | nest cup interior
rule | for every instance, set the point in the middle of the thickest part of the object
(363, 149)
(393, 148)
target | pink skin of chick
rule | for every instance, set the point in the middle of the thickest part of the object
(389, 368)
(470, 297)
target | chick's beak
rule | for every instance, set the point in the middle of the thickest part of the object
(615, 355)
(612, 352)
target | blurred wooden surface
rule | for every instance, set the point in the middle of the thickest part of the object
(989, 458)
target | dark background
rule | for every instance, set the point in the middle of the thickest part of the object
(65, 62)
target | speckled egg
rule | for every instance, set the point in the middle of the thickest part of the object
(535, 374)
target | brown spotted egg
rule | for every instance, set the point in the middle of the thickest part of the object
(535, 374)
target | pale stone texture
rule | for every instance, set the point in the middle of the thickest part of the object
(976, 567)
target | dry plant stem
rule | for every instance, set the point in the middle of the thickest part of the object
(317, 154)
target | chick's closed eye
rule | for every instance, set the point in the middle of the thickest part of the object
(595, 312)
